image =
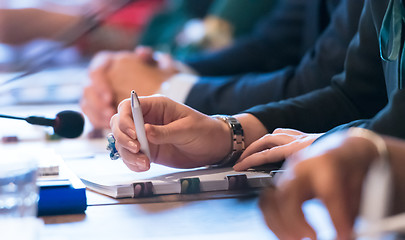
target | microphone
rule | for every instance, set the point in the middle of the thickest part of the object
(67, 124)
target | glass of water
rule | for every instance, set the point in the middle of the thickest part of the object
(18, 188)
(18, 197)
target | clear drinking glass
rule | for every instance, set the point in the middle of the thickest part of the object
(18, 197)
(18, 188)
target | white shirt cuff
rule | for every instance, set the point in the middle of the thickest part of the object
(184, 68)
(178, 86)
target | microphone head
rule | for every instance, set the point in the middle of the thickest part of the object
(69, 124)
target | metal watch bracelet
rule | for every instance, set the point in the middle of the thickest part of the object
(237, 138)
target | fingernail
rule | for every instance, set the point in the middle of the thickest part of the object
(142, 165)
(131, 133)
(133, 146)
(237, 167)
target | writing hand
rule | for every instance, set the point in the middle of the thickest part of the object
(178, 135)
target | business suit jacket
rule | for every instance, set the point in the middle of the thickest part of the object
(367, 89)
(229, 95)
(280, 39)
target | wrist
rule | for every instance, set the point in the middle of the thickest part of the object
(235, 143)
(253, 128)
(376, 143)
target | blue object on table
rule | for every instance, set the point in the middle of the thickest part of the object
(63, 194)
(57, 200)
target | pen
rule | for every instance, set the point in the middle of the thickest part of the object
(139, 124)
(375, 201)
(389, 225)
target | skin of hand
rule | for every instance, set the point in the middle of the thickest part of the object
(332, 170)
(48, 25)
(274, 147)
(137, 70)
(112, 78)
(38, 24)
(178, 135)
(97, 100)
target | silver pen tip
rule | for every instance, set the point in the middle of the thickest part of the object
(134, 99)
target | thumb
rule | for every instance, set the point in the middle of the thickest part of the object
(172, 133)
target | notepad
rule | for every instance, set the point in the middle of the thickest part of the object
(114, 179)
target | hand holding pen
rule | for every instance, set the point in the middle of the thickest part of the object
(176, 135)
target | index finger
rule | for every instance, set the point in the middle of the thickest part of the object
(267, 142)
(125, 121)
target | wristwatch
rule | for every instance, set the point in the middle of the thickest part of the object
(237, 138)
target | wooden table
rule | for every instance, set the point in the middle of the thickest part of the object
(228, 218)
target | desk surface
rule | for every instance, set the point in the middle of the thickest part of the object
(208, 219)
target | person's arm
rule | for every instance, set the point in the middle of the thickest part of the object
(333, 171)
(283, 142)
(18, 26)
(178, 135)
(359, 92)
(388, 121)
(236, 93)
(275, 43)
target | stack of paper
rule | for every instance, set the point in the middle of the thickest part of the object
(114, 179)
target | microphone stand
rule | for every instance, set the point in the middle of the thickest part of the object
(32, 120)
(11, 117)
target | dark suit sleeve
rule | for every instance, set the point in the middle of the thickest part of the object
(275, 43)
(357, 93)
(389, 121)
(229, 95)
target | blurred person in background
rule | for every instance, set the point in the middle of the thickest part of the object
(21, 26)
(294, 50)
(163, 25)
